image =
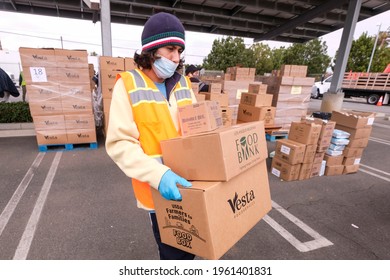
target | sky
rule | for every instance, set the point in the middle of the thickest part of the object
(25, 30)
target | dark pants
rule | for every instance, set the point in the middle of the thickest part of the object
(167, 252)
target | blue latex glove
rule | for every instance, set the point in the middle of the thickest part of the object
(168, 188)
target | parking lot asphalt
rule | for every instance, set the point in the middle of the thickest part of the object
(78, 205)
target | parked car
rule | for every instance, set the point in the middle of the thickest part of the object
(319, 88)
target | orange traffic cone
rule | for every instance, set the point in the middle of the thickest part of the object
(380, 101)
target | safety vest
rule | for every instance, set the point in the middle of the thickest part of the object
(153, 119)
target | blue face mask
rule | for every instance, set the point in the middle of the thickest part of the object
(164, 68)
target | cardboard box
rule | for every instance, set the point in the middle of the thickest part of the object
(290, 151)
(79, 136)
(348, 169)
(51, 137)
(111, 63)
(353, 119)
(356, 133)
(333, 160)
(41, 93)
(218, 155)
(199, 117)
(36, 57)
(284, 170)
(73, 76)
(53, 122)
(305, 171)
(129, 64)
(79, 121)
(213, 216)
(334, 170)
(71, 58)
(310, 153)
(351, 160)
(247, 113)
(77, 92)
(304, 132)
(221, 98)
(257, 88)
(257, 100)
(40, 75)
(51, 107)
(215, 88)
(327, 128)
(358, 143)
(353, 152)
(72, 105)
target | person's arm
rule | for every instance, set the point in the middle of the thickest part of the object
(122, 143)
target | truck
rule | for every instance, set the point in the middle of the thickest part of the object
(371, 86)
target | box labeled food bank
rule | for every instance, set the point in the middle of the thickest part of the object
(218, 155)
(213, 216)
(199, 117)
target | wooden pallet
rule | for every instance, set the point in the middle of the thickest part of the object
(273, 138)
(66, 147)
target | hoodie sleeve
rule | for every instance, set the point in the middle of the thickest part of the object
(122, 143)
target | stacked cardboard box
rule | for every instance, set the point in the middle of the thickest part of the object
(109, 67)
(291, 94)
(230, 189)
(60, 96)
(334, 154)
(301, 156)
(255, 105)
(240, 74)
(359, 126)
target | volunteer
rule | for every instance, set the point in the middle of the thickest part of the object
(193, 73)
(144, 111)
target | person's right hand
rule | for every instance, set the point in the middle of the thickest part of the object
(168, 188)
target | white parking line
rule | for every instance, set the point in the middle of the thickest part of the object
(13, 202)
(379, 140)
(28, 234)
(318, 242)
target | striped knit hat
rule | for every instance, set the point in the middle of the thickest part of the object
(160, 30)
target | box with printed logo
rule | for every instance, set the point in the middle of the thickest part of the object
(247, 113)
(213, 216)
(199, 117)
(218, 155)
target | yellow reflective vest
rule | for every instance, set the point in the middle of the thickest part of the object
(153, 119)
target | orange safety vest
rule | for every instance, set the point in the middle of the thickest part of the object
(153, 119)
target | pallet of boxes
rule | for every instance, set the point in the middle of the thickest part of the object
(230, 189)
(291, 89)
(300, 156)
(109, 67)
(353, 131)
(60, 97)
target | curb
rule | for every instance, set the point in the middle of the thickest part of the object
(17, 129)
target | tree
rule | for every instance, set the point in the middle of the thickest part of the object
(263, 58)
(228, 52)
(313, 54)
(360, 53)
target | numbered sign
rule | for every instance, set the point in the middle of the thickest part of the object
(38, 74)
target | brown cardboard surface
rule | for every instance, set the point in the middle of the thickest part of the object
(351, 160)
(218, 155)
(305, 171)
(78, 136)
(284, 170)
(79, 121)
(304, 132)
(53, 122)
(310, 153)
(353, 119)
(200, 117)
(334, 170)
(333, 160)
(40, 75)
(47, 137)
(358, 143)
(356, 133)
(213, 216)
(41, 93)
(73, 76)
(256, 100)
(71, 58)
(36, 57)
(348, 169)
(290, 151)
(51, 107)
(111, 63)
(247, 113)
(353, 152)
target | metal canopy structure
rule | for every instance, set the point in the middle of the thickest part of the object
(278, 20)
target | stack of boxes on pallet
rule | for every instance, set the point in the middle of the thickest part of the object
(230, 189)
(359, 126)
(60, 95)
(334, 155)
(255, 105)
(301, 156)
(291, 91)
(109, 67)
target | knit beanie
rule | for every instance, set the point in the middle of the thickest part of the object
(162, 29)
